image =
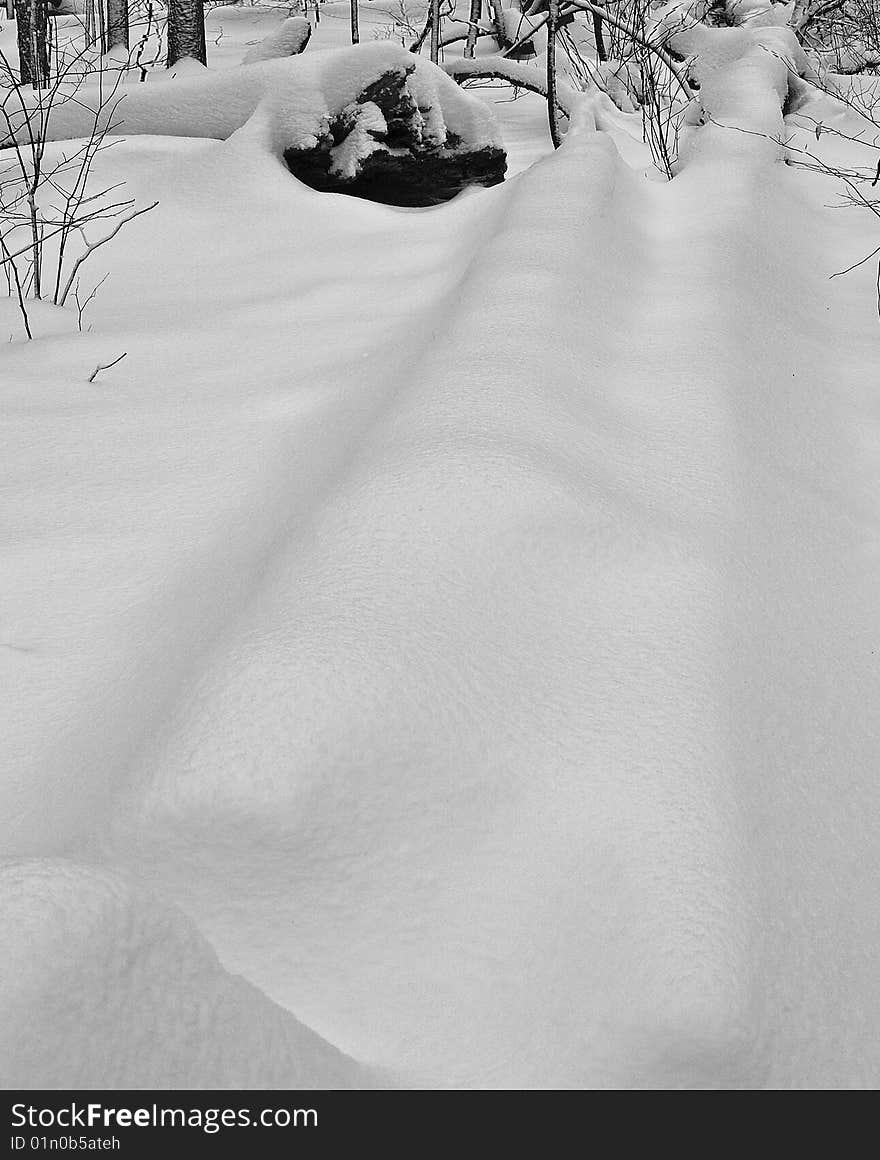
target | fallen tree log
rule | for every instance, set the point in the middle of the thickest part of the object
(371, 120)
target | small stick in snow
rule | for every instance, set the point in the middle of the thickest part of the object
(106, 366)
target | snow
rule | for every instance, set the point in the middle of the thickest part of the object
(444, 651)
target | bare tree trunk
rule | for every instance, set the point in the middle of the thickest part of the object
(33, 53)
(186, 31)
(25, 49)
(473, 19)
(435, 30)
(355, 29)
(102, 28)
(117, 24)
(497, 14)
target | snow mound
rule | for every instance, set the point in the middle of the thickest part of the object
(102, 986)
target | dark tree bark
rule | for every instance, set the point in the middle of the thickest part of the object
(435, 31)
(25, 48)
(355, 27)
(601, 52)
(33, 51)
(186, 31)
(117, 24)
(552, 110)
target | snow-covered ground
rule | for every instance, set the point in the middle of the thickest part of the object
(445, 651)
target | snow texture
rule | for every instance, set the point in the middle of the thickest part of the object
(128, 988)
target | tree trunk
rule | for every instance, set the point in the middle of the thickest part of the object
(25, 48)
(33, 53)
(117, 24)
(497, 14)
(435, 31)
(355, 30)
(186, 31)
(473, 19)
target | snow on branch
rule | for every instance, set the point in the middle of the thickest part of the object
(515, 73)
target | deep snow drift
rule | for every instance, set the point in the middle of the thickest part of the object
(445, 650)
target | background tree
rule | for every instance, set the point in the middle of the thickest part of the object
(117, 24)
(186, 31)
(33, 50)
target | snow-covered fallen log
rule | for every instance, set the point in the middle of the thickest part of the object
(388, 147)
(747, 79)
(336, 116)
(289, 39)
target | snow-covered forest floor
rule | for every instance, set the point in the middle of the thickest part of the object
(445, 650)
